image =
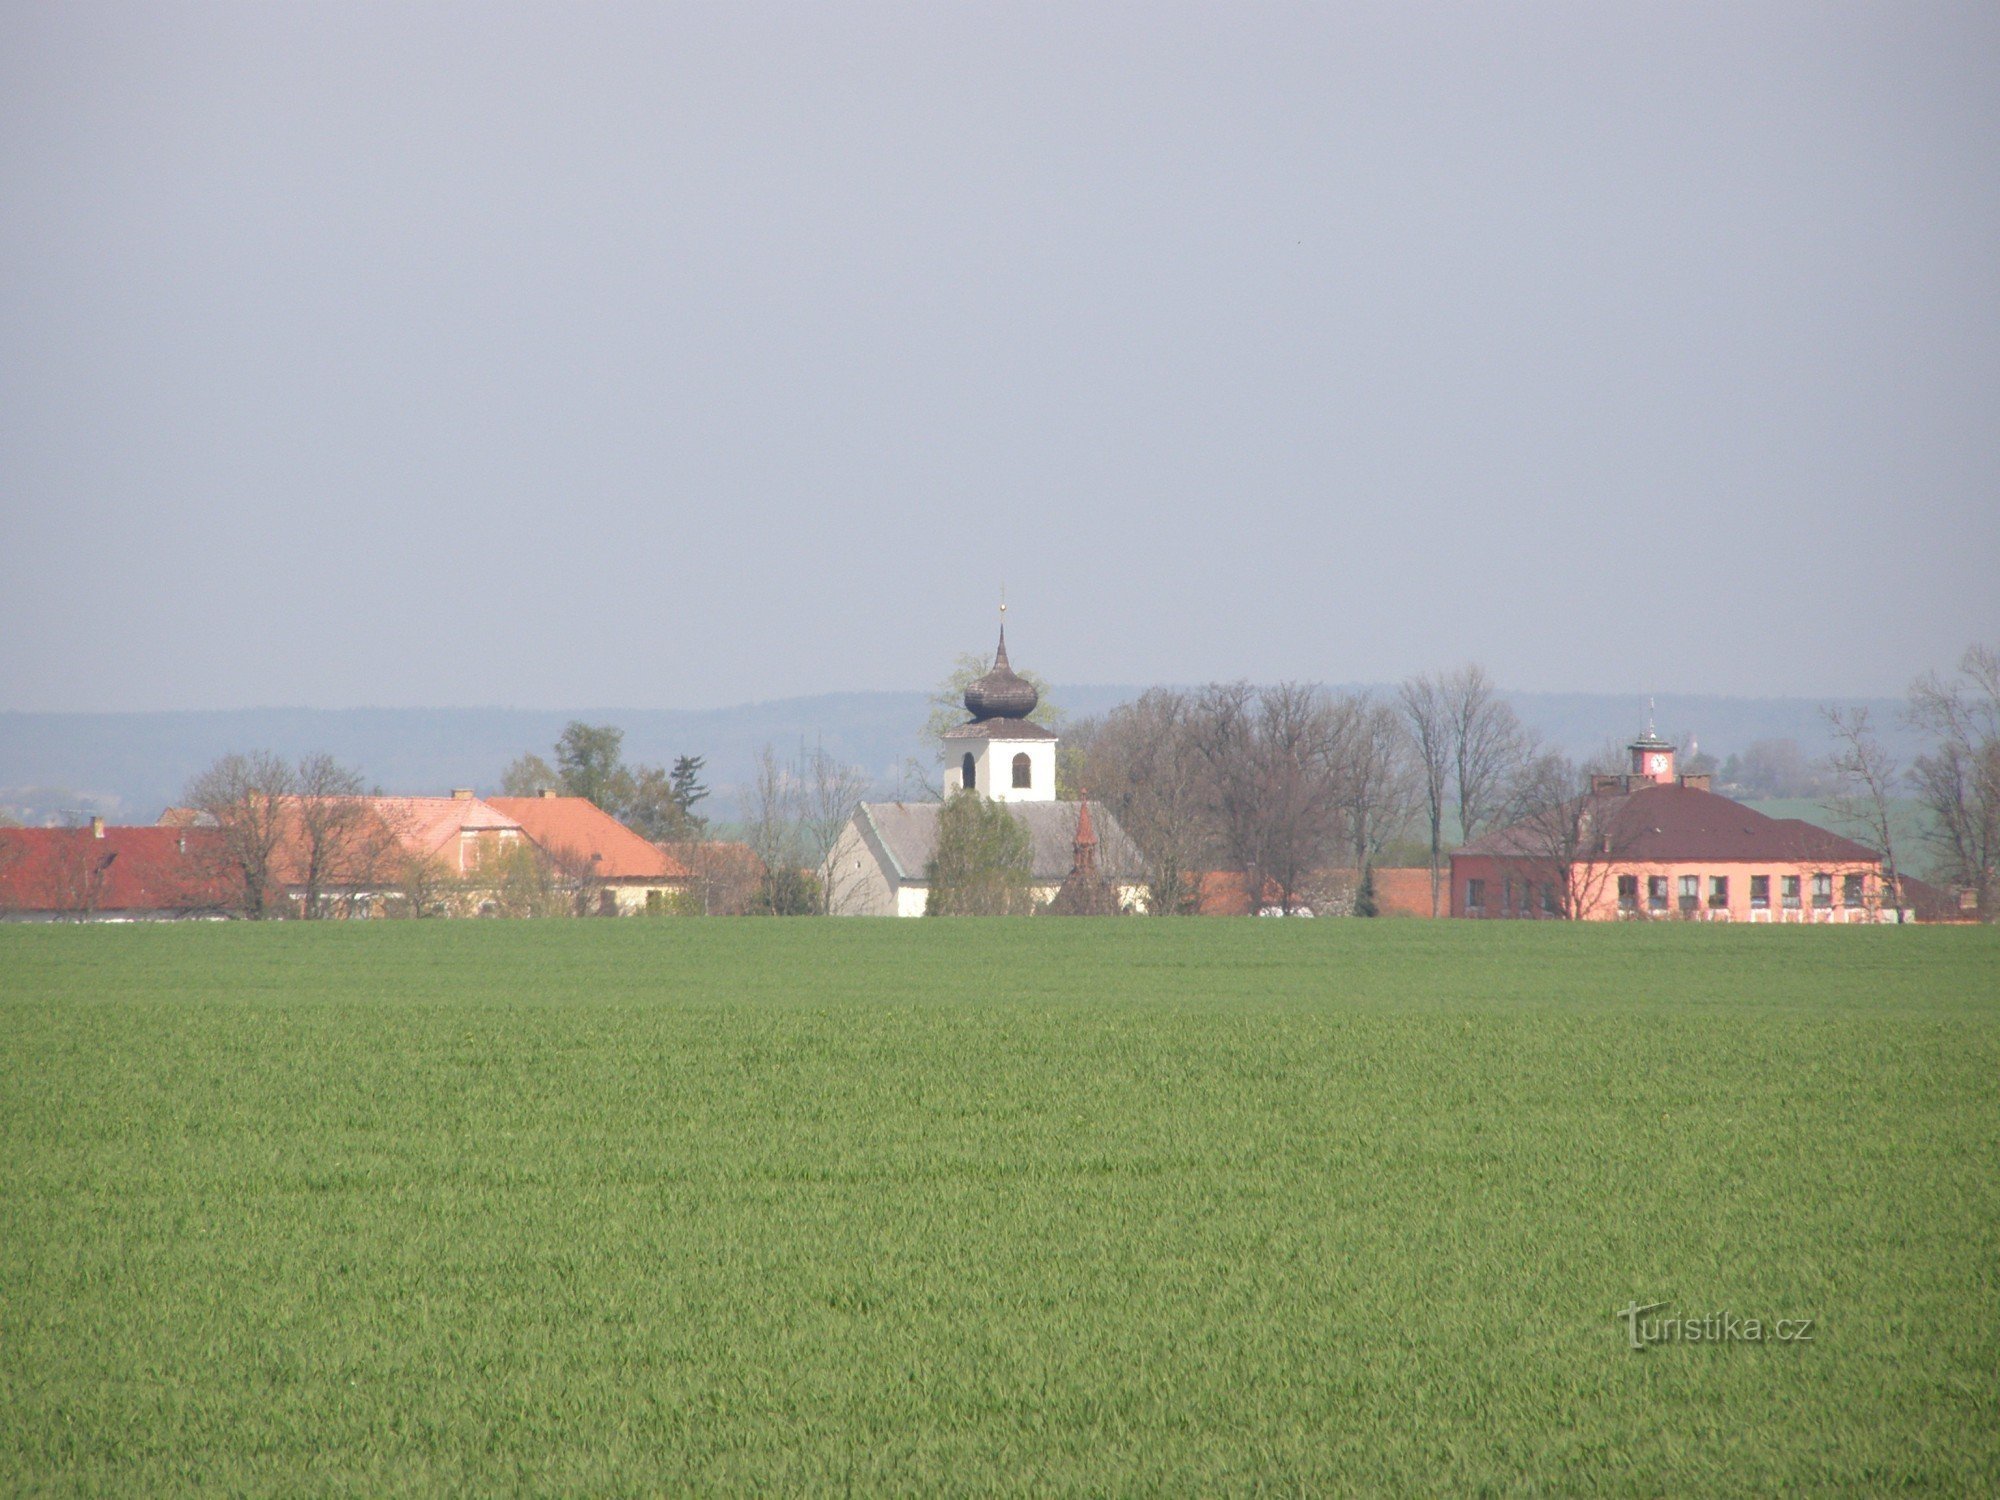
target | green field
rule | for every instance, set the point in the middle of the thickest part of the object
(644, 1207)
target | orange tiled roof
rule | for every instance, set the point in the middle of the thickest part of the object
(576, 826)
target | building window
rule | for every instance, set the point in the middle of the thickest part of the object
(967, 769)
(1790, 887)
(1022, 773)
(1718, 892)
(1760, 893)
(1690, 892)
(1475, 895)
(1656, 893)
(1850, 890)
(1628, 892)
(1822, 890)
(1507, 894)
(1549, 897)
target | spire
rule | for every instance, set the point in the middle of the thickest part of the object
(1084, 865)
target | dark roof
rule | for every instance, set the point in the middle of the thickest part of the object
(1000, 729)
(125, 870)
(1667, 821)
(1002, 693)
(908, 832)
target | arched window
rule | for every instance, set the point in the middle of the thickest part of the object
(966, 771)
(1022, 777)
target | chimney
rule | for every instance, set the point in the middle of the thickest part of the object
(97, 827)
(548, 791)
(461, 793)
(1696, 781)
(1601, 784)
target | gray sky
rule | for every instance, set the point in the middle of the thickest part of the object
(685, 355)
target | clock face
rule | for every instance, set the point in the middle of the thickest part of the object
(1656, 762)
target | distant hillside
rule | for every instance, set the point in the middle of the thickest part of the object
(131, 765)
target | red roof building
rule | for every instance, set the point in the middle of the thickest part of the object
(101, 873)
(1654, 844)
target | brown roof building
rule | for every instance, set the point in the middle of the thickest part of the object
(1651, 843)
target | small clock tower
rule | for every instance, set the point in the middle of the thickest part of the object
(1652, 758)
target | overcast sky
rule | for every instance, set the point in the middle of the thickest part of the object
(676, 356)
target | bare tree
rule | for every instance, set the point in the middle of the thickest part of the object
(79, 873)
(1375, 774)
(1959, 780)
(244, 796)
(1427, 716)
(828, 793)
(1867, 775)
(1140, 761)
(1488, 747)
(1568, 839)
(1296, 812)
(339, 839)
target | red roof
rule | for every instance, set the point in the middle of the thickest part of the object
(125, 870)
(1667, 822)
(579, 828)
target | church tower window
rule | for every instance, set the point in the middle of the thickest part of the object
(967, 771)
(1023, 777)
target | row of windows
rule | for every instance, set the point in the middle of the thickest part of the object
(1527, 896)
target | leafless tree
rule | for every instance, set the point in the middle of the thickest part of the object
(1568, 837)
(827, 794)
(1427, 717)
(724, 877)
(1296, 809)
(1374, 773)
(340, 841)
(1867, 776)
(1141, 762)
(1959, 780)
(244, 797)
(1488, 747)
(79, 870)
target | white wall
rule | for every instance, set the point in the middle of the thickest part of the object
(995, 760)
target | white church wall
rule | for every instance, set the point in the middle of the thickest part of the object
(995, 761)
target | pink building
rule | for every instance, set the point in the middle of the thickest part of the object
(1652, 843)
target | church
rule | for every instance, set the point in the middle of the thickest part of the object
(878, 864)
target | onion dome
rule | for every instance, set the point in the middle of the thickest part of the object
(1002, 693)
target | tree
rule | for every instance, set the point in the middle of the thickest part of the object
(1366, 904)
(588, 757)
(1867, 776)
(1427, 717)
(1569, 838)
(1141, 762)
(983, 863)
(1959, 780)
(1375, 777)
(244, 797)
(1488, 748)
(829, 793)
(338, 838)
(687, 788)
(1294, 816)
(529, 776)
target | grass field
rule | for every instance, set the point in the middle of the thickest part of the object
(1065, 1206)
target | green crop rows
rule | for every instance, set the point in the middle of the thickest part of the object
(1198, 1206)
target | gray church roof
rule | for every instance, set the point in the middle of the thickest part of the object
(908, 831)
